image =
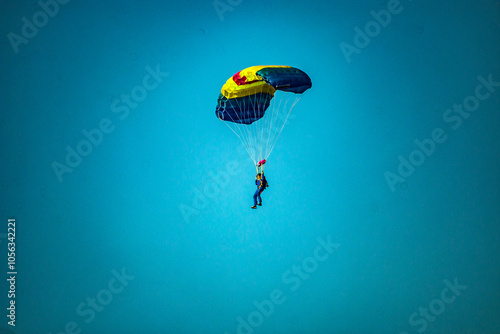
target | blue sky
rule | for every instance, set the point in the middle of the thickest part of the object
(118, 211)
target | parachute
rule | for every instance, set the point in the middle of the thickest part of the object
(256, 102)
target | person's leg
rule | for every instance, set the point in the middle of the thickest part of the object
(258, 197)
(255, 197)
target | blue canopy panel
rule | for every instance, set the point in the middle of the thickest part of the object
(288, 79)
(243, 110)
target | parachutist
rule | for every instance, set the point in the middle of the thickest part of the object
(248, 105)
(261, 182)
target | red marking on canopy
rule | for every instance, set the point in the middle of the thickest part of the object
(242, 80)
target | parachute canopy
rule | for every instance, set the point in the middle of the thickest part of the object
(246, 95)
(255, 104)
